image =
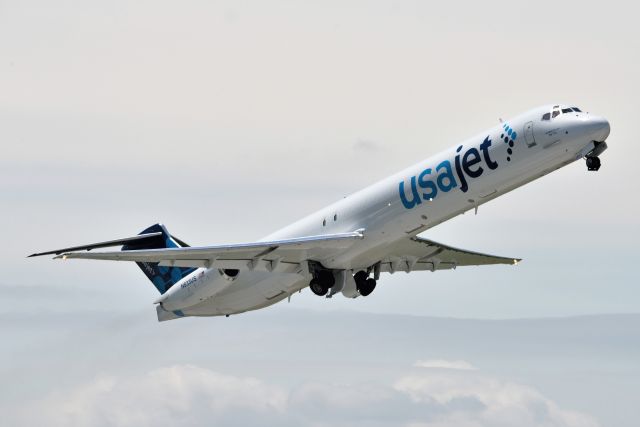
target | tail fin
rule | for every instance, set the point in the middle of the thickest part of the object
(161, 277)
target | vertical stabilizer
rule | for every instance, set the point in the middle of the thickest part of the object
(161, 277)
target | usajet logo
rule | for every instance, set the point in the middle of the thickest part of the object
(426, 185)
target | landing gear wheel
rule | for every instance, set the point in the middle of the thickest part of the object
(317, 288)
(367, 287)
(360, 276)
(593, 163)
(325, 278)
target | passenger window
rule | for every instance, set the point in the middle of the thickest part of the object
(546, 116)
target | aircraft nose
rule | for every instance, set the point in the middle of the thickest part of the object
(599, 128)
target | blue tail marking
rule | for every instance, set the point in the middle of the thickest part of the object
(162, 278)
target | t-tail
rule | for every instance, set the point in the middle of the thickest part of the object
(163, 278)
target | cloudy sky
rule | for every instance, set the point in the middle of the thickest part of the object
(226, 120)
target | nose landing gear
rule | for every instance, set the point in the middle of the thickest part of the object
(593, 163)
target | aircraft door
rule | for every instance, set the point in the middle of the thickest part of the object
(528, 134)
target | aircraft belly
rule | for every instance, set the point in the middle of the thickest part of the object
(252, 291)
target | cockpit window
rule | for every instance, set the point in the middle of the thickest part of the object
(557, 111)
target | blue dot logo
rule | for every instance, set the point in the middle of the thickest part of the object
(509, 137)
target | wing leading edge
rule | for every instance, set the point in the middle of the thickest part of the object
(277, 255)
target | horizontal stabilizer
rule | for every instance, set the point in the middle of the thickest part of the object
(141, 238)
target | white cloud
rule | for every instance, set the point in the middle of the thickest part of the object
(187, 395)
(193, 396)
(444, 364)
(503, 403)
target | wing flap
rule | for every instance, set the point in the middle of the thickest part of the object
(418, 254)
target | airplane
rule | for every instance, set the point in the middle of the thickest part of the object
(345, 247)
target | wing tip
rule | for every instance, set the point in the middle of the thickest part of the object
(37, 254)
(57, 254)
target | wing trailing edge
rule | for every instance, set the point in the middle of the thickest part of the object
(418, 254)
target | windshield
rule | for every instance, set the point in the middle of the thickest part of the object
(556, 111)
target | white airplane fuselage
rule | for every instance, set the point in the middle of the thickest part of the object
(422, 196)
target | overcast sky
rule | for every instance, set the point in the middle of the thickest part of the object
(227, 120)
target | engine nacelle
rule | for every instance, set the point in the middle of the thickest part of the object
(348, 287)
(198, 286)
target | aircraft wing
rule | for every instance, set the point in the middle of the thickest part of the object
(417, 254)
(277, 255)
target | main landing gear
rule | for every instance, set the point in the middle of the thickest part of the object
(364, 283)
(593, 163)
(323, 280)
